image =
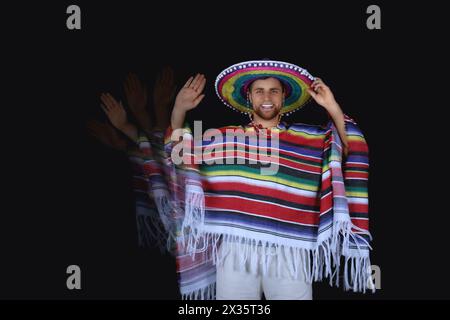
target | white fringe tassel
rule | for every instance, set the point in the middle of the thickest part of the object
(194, 216)
(316, 264)
(206, 293)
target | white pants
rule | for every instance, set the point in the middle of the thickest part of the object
(233, 284)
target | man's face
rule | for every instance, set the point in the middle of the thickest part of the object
(266, 96)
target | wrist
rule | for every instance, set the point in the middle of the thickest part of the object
(124, 127)
(162, 123)
(178, 109)
(177, 118)
(333, 109)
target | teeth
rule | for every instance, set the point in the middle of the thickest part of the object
(267, 105)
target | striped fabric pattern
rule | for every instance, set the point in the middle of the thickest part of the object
(159, 202)
(313, 204)
(151, 231)
(274, 208)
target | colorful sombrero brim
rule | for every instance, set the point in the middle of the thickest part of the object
(232, 83)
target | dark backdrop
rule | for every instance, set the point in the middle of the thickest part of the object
(72, 201)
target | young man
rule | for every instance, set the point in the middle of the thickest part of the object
(281, 206)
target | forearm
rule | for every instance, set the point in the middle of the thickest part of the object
(177, 118)
(144, 122)
(130, 131)
(337, 116)
(162, 116)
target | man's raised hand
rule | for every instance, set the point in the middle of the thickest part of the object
(191, 94)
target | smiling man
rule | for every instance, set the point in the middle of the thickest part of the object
(250, 234)
(266, 97)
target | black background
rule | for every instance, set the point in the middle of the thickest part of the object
(68, 199)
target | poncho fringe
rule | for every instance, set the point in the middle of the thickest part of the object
(342, 240)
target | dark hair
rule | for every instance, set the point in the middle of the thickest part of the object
(264, 78)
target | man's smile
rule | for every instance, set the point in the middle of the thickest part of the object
(267, 106)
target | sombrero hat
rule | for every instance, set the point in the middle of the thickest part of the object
(232, 83)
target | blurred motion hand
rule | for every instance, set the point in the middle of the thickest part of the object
(163, 96)
(106, 134)
(114, 110)
(136, 94)
(118, 116)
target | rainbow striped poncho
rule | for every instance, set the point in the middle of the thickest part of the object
(299, 196)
